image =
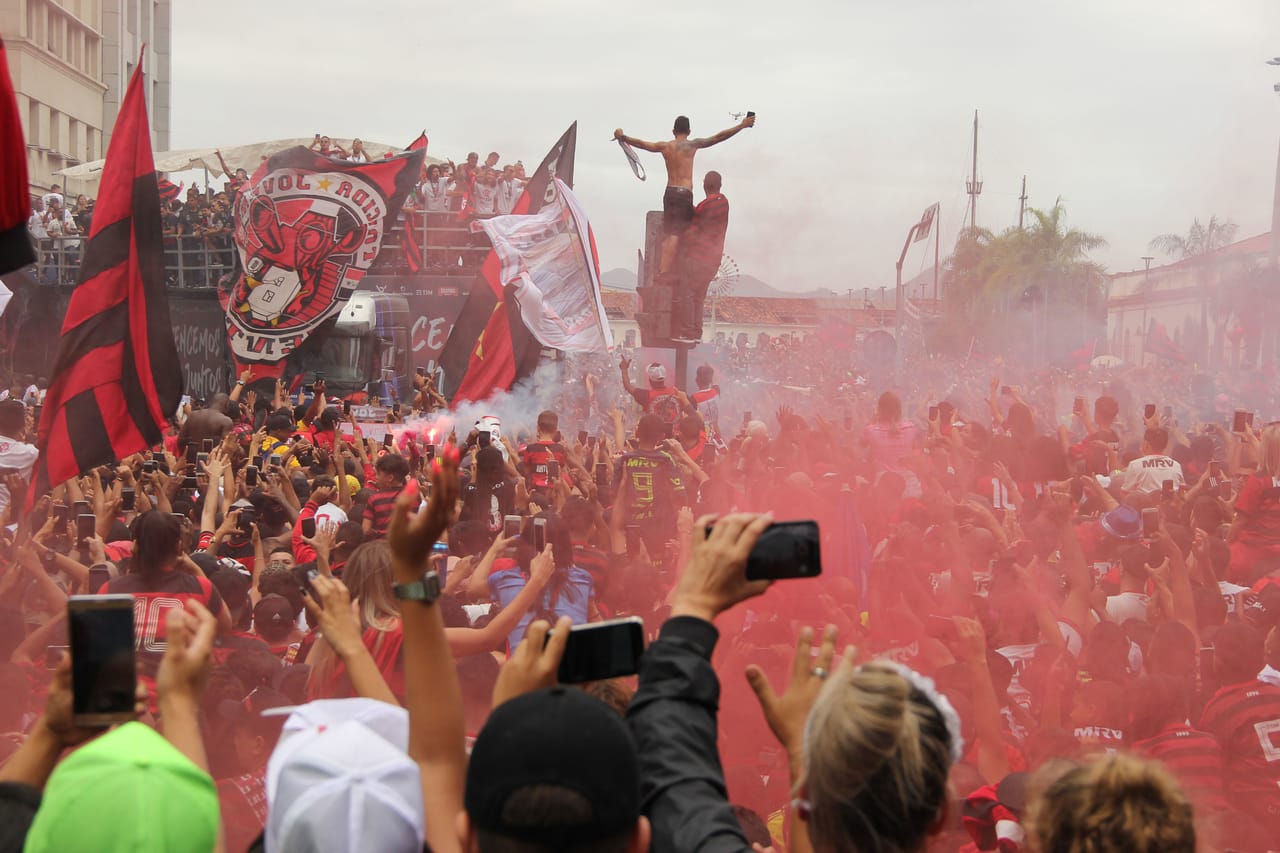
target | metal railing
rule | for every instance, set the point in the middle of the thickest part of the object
(445, 246)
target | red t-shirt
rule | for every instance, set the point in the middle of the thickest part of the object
(1259, 502)
(1194, 757)
(1245, 718)
(151, 606)
(243, 803)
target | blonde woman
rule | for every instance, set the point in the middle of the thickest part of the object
(1118, 804)
(1255, 532)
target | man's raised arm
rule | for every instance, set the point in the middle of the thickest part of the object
(749, 121)
(637, 143)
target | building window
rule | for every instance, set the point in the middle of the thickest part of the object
(33, 121)
(55, 130)
(629, 340)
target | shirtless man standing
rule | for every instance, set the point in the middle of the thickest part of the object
(677, 201)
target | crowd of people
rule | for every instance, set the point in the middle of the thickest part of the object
(1046, 619)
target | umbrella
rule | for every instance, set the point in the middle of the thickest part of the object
(1106, 361)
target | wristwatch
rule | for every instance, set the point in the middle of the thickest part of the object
(426, 590)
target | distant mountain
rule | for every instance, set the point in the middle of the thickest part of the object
(620, 278)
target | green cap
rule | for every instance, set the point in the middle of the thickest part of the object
(127, 790)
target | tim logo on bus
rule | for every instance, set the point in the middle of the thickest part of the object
(307, 229)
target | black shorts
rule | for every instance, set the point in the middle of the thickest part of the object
(677, 210)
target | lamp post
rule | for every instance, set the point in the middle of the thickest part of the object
(1146, 294)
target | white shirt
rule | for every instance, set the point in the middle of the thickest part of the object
(508, 195)
(331, 513)
(358, 158)
(18, 455)
(436, 195)
(483, 197)
(1148, 474)
(36, 225)
(1128, 605)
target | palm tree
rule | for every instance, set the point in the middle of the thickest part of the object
(1197, 245)
(1199, 240)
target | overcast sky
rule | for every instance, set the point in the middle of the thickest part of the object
(1140, 114)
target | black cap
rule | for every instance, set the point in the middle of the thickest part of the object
(559, 737)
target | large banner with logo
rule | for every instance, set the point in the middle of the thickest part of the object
(307, 228)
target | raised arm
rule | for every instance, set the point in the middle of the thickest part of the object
(655, 147)
(727, 133)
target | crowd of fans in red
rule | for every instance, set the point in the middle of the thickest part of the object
(1057, 605)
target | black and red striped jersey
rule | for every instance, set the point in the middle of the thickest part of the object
(1193, 757)
(1245, 718)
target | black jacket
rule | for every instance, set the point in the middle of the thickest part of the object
(673, 721)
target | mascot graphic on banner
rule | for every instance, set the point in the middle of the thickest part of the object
(307, 230)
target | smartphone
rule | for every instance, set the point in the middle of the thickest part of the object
(539, 535)
(484, 438)
(388, 439)
(82, 508)
(103, 680)
(1240, 421)
(62, 513)
(431, 452)
(633, 540)
(149, 467)
(247, 518)
(602, 475)
(346, 407)
(202, 458)
(786, 549)
(251, 475)
(751, 113)
(1078, 406)
(98, 577)
(582, 436)
(511, 526)
(1006, 390)
(933, 413)
(1150, 522)
(85, 526)
(1166, 489)
(309, 527)
(602, 650)
(128, 499)
(553, 469)
(189, 484)
(320, 376)
(1215, 470)
(303, 575)
(1149, 411)
(192, 450)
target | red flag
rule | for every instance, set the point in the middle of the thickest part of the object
(15, 195)
(490, 348)
(1161, 345)
(168, 189)
(117, 376)
(419, 144)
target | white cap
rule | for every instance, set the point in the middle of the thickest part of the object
(331, 513)
(340, 779)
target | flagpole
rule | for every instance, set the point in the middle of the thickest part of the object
(937, 240)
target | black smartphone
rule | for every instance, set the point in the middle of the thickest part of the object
(128, 499)
(553, 469)
(933, 413)
(602, 475)
(149, 467)
(388, 439)
(82, 508)
(62, 513)
(539, 535)
(1149, 411)
(103, 680)
(431, 452)
(1166, 489)
(98, 577)
(309, 527)
(484, 438)
(602, 650)
(346, 407)
(161, 463)
(189, 484)
(207, 445)
(85, 526)
(202, 458)
(246, 520)
(1078, 406)
(320, 376)
(192, 450)
(751, 113)
(583, 438)
(511, 526)
(303, 575)
(251, 475)
(1150, 522)
(1240, 421)
(786, 549)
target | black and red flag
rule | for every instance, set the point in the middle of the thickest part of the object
(169, 191)
(15, 195)
(117, 376)
(308, 227)
(490, 348)
(408, 237)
